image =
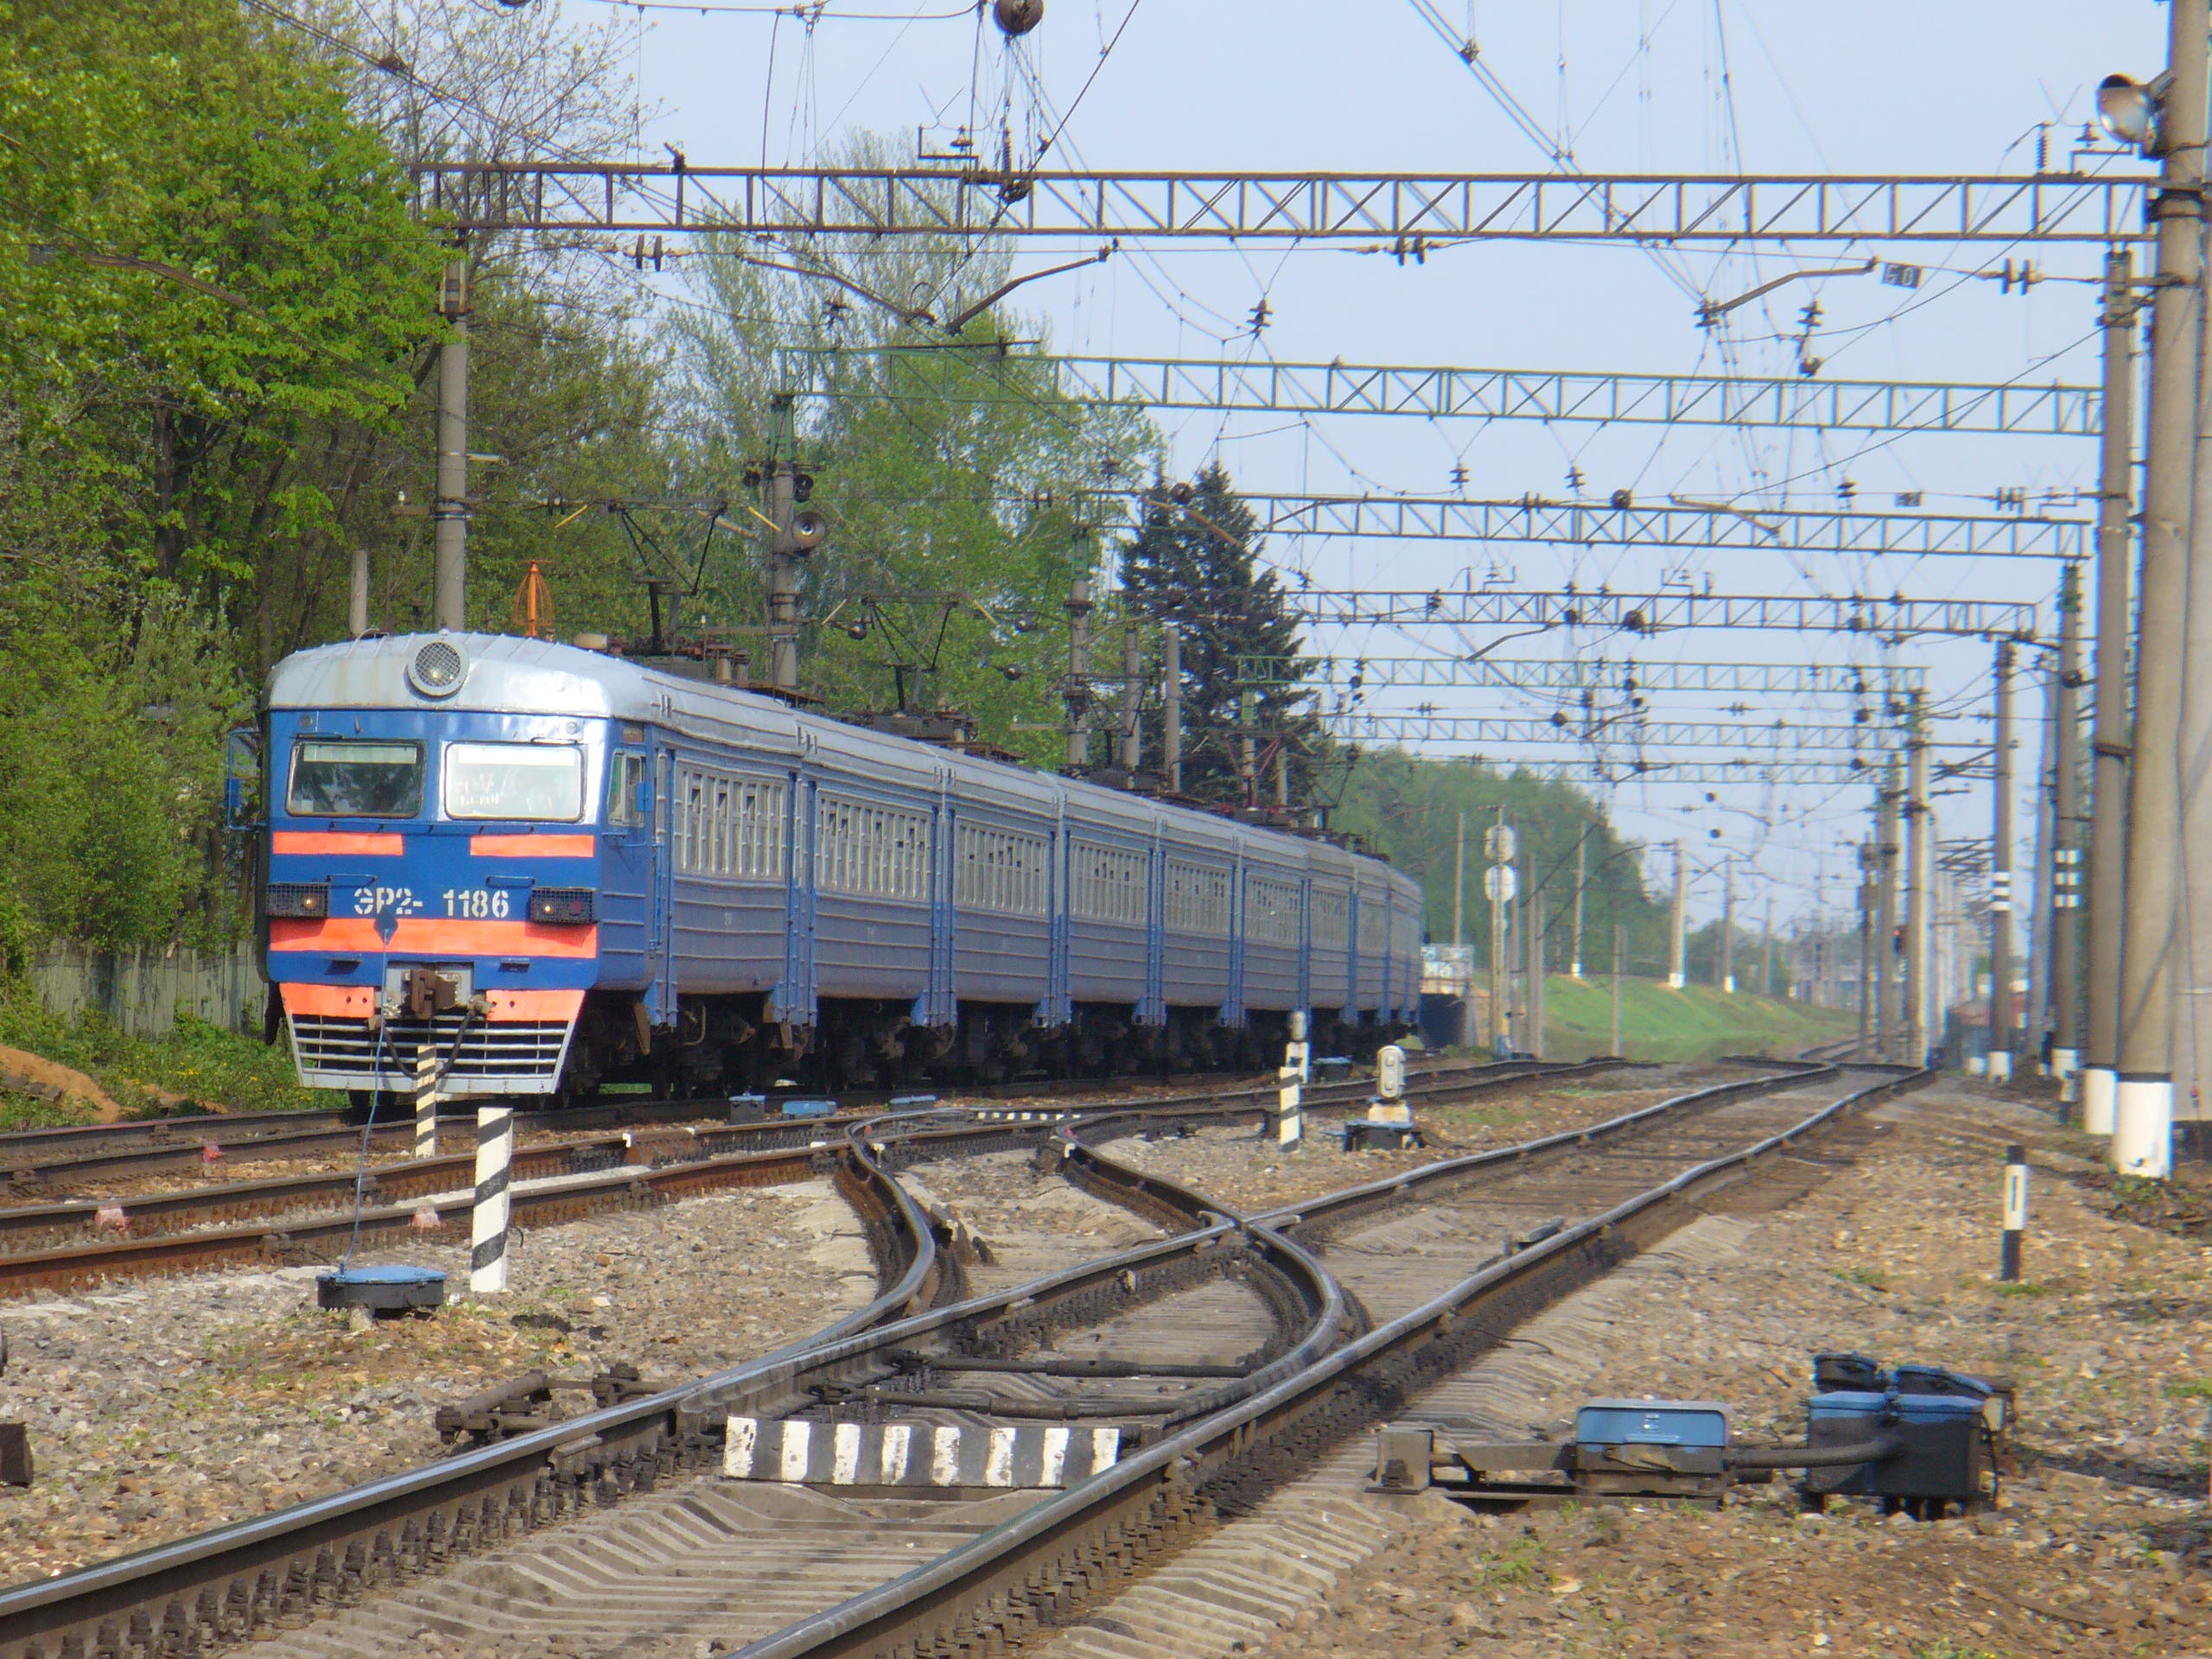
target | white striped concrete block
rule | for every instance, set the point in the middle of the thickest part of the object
(1025, 1455)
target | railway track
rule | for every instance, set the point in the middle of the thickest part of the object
(89, 1151)
(296, 1220)
(1297, 1357)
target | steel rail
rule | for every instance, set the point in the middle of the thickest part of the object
(1079, 1540)
(218, 1585)
(795, 1154)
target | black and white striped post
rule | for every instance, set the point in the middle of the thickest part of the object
(426, 1101)
(1290, 1116)
(2016, 1213)
(487, 1241)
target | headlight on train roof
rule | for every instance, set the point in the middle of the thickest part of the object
(571, 905)
(295, 899)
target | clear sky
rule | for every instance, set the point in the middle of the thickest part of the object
(1626, 85)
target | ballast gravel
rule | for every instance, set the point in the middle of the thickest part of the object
(1250, 1172)
(2103, 1544)
(168, 1406)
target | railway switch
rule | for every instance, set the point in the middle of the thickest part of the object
(1918, 1438)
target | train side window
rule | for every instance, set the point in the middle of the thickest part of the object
(625, 790)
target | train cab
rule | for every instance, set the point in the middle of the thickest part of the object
(437, 873)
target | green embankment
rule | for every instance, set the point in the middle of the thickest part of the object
(1694, 1023)
(196, 1061)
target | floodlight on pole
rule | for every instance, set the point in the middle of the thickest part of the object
(2132, 110)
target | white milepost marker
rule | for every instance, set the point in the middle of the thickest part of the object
(487, 1251)
(426, 1101)
(2016, 1212)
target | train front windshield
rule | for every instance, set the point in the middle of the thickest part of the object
(519, 782)
(334, 777)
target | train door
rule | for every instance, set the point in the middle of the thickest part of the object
(626, 877)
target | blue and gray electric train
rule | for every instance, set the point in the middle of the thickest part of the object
(551, 870)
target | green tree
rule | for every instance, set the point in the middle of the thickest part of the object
(950, 468)
(1408, 810)
(1195, 561)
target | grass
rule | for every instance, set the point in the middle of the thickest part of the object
(203, 1062)
(1695, 1023)
(1519, 1563)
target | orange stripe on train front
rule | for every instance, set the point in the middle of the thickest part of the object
(504, 1006)
(433, 936)
(533, 846)
(385, 844)
(332, 1002)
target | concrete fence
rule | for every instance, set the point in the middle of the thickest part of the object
(143, 990)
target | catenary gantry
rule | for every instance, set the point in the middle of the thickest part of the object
(1401, 214)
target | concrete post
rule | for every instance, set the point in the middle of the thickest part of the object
(1678, 929)
(1171, 705)
(2143, 1127)
(2003, 1040)
(1727, 963)
(2063, 878)
(357, 592)
(1077, 694)
(1887, 849)
(449, 512)
(2109, 739)
(1869, 862)
(1920, 846)
(1581, 881)
(1620, 966)
(1132, 727)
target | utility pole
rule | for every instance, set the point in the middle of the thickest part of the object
(1581, 876)
(1727, 963)
(1460, 887)
(1171, 705)
(449, 513)
(357, 592)
(2066, 826)
(1869, 863)
(2143, 1114)
(2002, 1036)
(1887, 847)
(1766, 951)
(1920, 847)
(1534, 952)
(2109, 738)
(1132, 729)
(1248, 744)
(1497, 885)
(1077, 694)
(1620, 964)
(787, 545)
(2037, 1038)
(2192, 1006)
(1678, 931)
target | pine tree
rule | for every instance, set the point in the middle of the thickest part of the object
(1195, 561)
